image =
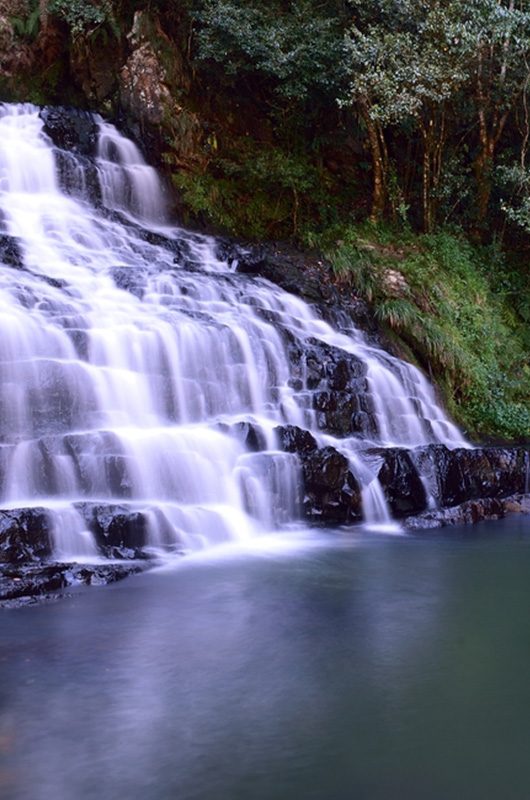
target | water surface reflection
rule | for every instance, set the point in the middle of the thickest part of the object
(370, 668)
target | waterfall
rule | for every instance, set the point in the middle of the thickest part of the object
(132, 356)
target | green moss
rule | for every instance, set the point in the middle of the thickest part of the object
(437, 294)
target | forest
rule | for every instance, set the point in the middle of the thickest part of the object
(390, 138)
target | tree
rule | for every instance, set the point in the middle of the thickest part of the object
(293, 46)
(407, 65)
(496, 36)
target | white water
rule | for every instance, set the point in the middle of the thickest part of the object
(132, 396)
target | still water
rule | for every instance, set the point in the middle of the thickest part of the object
(337, 667)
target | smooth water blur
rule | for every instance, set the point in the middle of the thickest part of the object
(337, 667)
(133, 358)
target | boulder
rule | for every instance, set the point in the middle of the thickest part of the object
(293, 439)
(470, 512)
(10, 252)
(469, 480)
(403, 488)
(25, 535)
(341, 414)
(329, 367)
(332, 494)
(33, 583)
(70, 129)
(471, 474)
(119, 531)
(338, 386)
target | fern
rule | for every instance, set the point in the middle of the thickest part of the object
(27, 28)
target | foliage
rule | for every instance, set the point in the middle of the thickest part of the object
(404, 56)
(515, 181)
(260, 192)
(27, 27)
(82, 17)
(297, 49)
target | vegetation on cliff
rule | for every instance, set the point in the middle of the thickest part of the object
(392, 136)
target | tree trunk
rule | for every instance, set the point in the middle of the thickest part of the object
(378, 165)
(491, 121)
(426, 182)
(482, 169)
(433, 137)
(43, 14)
(483, 165)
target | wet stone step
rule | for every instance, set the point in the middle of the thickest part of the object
(32, 583)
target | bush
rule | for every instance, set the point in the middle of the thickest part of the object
(84, 17)
(260, 191)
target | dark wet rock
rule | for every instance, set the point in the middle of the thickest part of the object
(470, 512)
(280, 270)
(56, 283)
(10, 252)
(331, 366)
(249, 434)
(403, 488)
(331, 492)
(76, 182)
(12, 256)
(340, 413)
(25, 535)
(129, 279)
(338, 382)
(323, 366)
(119, 531)
(70, 129)
(293, 439)
(335, 411)
(304, 274)
(80, 339)
(473, 474)
(34, 583)
(179, 247)
(470, 479)
(114, 465)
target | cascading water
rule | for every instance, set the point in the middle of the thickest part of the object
(130, 354)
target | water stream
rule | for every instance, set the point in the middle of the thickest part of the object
(130, 351)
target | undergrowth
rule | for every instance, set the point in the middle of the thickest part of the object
(257, 192)
(437, 294)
